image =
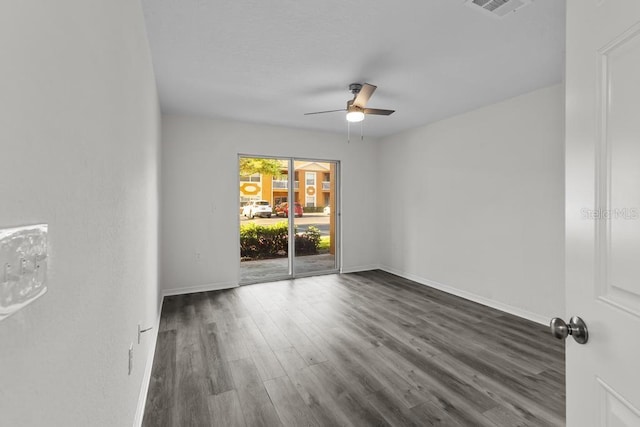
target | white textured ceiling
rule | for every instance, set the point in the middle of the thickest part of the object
(270, 61)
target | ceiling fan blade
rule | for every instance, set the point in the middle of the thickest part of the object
(378, 112)
(363, 96)
(322, 112)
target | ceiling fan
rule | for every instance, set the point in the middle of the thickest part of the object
(356, 107)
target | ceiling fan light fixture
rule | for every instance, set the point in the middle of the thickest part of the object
(355, 116)
(356, 107)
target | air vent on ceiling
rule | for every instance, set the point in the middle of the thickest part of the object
(498, 8)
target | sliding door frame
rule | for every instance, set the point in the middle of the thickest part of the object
(335, 216)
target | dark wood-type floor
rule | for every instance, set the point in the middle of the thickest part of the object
(362, 349)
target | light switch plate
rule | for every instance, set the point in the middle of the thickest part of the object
(23, 266)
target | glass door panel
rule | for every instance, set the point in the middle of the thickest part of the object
(264, 227)
(315, 225)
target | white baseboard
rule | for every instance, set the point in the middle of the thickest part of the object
(516, 311)
(199, 288)
(146, 378)
(359, 268)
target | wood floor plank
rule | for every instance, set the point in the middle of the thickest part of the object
(245, 374)
(290, 407)
(203, 309)
(257, 407)
(352, 403)
(432, 414)
(192, 388)
(169, 315)
(361, 349)
(502, 417)
(343, 354)
(384, 373)
(225, 410)
(159, 407)
(517, 383)
(216, 367)
(438, 384)
(271, 333)
(511, 401)
(394, 412)
(267, 364)
(234, 302)
(162, 417)
(296, 315)
(290, 360)
(232, 345)
(248, 300)
(307, 349)
(320, 402)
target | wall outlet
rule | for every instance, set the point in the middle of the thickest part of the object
(130, 358)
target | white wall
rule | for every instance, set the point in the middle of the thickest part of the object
(475, 204)
(200, 195)
(79, 132)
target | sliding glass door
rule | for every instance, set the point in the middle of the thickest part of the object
(288, 226)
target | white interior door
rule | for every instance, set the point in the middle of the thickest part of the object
(603, 210)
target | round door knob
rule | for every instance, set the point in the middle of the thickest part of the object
(576, 328)
(559, 329)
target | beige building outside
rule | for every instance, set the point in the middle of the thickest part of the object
(312, 186)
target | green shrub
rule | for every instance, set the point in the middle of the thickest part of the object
(307, 243)
(264, 241)
(272, 241)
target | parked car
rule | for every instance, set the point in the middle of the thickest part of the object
(327, 210)
(283, 209)
(259, 208)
